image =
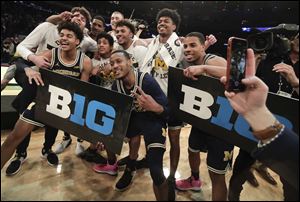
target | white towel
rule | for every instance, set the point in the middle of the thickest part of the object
(171, 52)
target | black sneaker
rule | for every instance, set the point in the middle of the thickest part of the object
(92, 155)
(143, 163)
(122, 161)
(252, 179)
(15, 164)
(263, 172)
(171, 188)
(51, 157)
(125, 181)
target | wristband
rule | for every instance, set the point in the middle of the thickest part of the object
(269, 132)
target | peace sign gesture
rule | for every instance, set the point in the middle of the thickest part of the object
(146, 101)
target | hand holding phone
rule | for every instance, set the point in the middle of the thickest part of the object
(236, 64)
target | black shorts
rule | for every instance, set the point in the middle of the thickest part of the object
(26, 96)
(28, 117)
(219, 152)
(154, 132)
(173, 122)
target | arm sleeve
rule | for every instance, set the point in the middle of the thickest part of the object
(88, 45)
(21, 64)
(36, 37)
(282, 156)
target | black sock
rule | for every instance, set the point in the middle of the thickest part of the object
(131, 164)
(195, 175)
(171, 176)
(111, 161)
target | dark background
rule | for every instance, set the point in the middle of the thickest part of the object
(221, 18)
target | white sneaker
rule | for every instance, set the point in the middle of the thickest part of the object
(62, 146)
(79, 148)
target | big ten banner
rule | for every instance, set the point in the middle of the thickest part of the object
(82, 109)
(202, 104)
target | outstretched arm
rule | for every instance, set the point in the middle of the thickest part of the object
(215, 67)
(35, 74)
(278, 147)
(56, 19)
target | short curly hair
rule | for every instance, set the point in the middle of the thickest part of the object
(126, 23)
(72, 27)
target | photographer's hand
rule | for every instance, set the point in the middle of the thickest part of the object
(288, 73)
(251, 103)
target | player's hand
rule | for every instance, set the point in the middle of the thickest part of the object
(34, 75)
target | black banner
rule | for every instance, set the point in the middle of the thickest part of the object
(82, 109)
(202, 103)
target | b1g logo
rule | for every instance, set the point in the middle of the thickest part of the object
(198, 102)
(59, 106)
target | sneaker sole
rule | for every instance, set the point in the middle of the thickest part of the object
(106, 172)
(124, 189)
(187, 189)
(11, 174)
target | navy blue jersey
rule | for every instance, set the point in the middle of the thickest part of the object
(150, 87)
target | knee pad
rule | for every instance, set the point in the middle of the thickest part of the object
(155, 161)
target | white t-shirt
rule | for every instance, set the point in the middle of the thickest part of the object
(137, 54)
(160, 70)
(88, 44)
(45, 36)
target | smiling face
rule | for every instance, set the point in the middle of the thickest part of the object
(165, 26)
(115, 18)
(124, 35)
(68, 40)
(120, 65)
(193, 49)
(79, 19)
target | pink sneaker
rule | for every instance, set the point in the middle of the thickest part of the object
(106, 168)
(189, 184)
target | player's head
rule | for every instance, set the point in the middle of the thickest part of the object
(168, 21)
(70, 35)
(121, 63)
(115, 18)
(81, 16)
(193, 45)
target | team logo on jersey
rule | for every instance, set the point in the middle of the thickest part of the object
(160, 64)
(164, 132)
(228, 155)
(177, 42)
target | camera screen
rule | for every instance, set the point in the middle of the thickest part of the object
(237, 64)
